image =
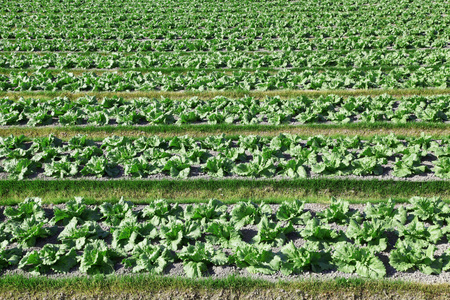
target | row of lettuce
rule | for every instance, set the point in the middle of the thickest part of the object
(218, 60)
(77, 44)
(200, 236)
(200, 80)
(222, 110)
(294, 27)
(219, 156)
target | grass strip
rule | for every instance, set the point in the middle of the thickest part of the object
(150, 286)
(364, 130)
(285, 94)
(228, 190)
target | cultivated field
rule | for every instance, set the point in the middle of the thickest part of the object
(235, 149)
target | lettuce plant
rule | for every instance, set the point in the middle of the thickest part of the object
(338, 212)
(149, 258)
(113, 214)
(159, 211)
(130, 232)
(223, 234)
(196, 258)
(249, 213)
(297, 260)
(60, 169)
(57, 258)
(77, 236)
(430, 209)
(27, 232)
(205, 213)
(97, 258)
(256, 259)
(177, 233)
(350, 259)
(409, 255)
(370, 233)
(9, 256)
(293, 211)
(29, 208)
(75, 208)
(271, 233)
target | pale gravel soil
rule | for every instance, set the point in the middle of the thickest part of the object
(248, 232)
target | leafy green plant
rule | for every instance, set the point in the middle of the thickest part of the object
(333, 163)
(245, 213)
(350, 259)
(177, 167)
(410, 164)
(121, 154)
(97, 258)
(29, 208)
(196, 258)
(430, 209)
(77, 236)
(297, 260)
(256, 259)
(370, 233)
(408, 255)
(9, 256)
(177, 233)
(139, 167)
(75, 208)
(320, 234)
(27, 232)
(149, 258)
(417, 232)
(205, 213)
(381, 211)
(338, 212)
(99, 166)
(18, 169)
(223, 234)
(256, 168)
(159, 211)
(57, 258)
(271, 233)
(83, 155)
(113, 214)
(293, 168)
(218, 166)
(368, 166)
(130, 232)
(61, 168)
(293, 211)
(442, 167)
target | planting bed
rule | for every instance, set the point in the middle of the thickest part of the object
(239, 101)
(213, 239)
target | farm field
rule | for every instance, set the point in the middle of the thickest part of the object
(238, 149)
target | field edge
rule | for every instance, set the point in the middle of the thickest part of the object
(146, 286)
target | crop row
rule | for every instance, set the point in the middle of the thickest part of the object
(221, 30)
(217, 80)
(215, 60)
(291, 240)
(185, 21)
(346, 7)
(216, 156)
(285, 44)
(222, 110)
